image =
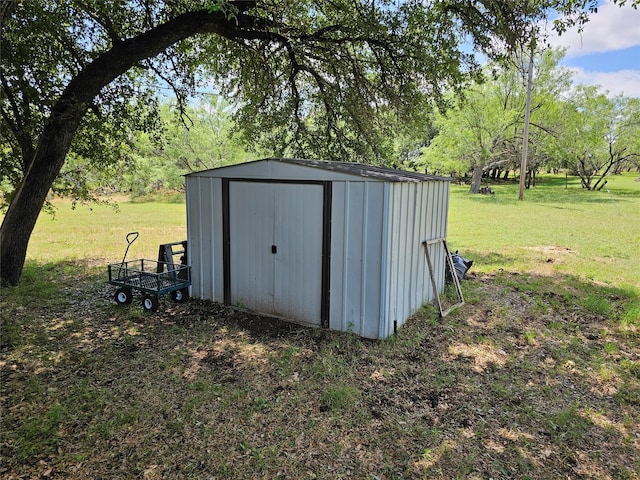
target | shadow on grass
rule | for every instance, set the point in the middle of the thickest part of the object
(535, 377)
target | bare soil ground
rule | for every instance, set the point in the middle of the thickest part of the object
(535, 377)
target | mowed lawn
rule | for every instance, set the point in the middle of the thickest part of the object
(568, 230)
(555, 229)
(98, 232)
(536, 376)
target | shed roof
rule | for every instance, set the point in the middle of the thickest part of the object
(351, 168)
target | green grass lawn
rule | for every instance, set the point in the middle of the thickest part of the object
(595, 235)
(98, 232)
(536, 376)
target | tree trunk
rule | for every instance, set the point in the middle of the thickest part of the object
(476, 179)
(25, 206)
(525, 134)
(66, 115)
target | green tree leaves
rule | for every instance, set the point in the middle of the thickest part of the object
(571, 127)
(198, 137)
(598, 135)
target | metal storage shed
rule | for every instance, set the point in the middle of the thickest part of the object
(333, 244)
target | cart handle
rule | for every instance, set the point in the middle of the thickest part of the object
(131, 237)
(135, 236)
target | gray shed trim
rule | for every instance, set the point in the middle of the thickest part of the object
(372, 172)
(374, 274)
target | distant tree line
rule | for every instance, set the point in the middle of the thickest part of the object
(195, 137)
(573, 127)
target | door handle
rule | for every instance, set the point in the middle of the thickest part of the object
(274, 249)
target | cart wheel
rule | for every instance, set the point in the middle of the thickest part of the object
(180, 296)
(123, 296)
(150, 302)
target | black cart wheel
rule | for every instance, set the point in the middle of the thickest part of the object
(150, 302)
(180, 296)
(123, 296)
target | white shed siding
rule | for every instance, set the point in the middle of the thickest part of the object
(276, 170)
(377, 275)
(398, 281)
(204, 217)
(416, 213)
(356, 256)
(423, 286)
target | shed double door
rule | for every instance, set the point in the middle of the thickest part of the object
(275, 233)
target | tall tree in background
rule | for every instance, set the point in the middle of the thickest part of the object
(200, 136)
(475, 135)
(204, 138)
(320, 77)
(484, 131)
(597, 136)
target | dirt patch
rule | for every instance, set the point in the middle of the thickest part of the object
(552, 253)
(552, 249)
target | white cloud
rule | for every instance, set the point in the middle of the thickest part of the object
(626, 82)
(612, 28)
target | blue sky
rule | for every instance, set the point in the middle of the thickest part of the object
(607, 52)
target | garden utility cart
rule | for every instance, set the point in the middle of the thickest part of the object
(151, 277)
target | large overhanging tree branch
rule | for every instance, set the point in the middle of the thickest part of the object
(67, 113)
(333, 79)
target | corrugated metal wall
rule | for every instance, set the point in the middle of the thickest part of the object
(379, 271)
(416, 212)
(356, 256)
(204, 229)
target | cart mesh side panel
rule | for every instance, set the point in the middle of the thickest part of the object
(141, 275)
